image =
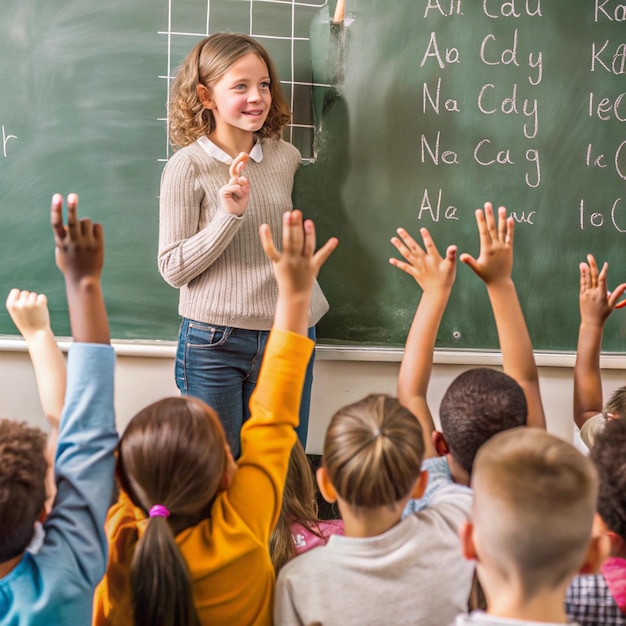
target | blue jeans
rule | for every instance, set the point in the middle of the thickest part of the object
(220, 365)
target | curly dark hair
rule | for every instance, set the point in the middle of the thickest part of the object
(23, 469)
(479, 403)
(608, 456)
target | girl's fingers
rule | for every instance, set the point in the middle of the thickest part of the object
(584, 276)
(236, 167)
(602, 276)
(593, 270)
(510, 230)
(308, 248)
(483, 229)
(615, 295)
(267, 242)
(429, 244)
(470, 261)
(502, 224)
(490, 220)
(451, 253)
(321, 256)
(56, 216)
(409, 242)
(402, 249)
(293, 233)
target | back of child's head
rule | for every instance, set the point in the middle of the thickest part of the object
(373, 452)
(479, 403)
(609, 456)
(534, 504)
(207, 62)
(171, 462)
(299, 505)
(616, 404)
(23, 469)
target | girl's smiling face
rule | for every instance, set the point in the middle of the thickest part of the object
(240, 99)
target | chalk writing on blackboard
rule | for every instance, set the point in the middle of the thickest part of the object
(6, 137)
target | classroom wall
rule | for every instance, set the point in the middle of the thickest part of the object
(339, 379)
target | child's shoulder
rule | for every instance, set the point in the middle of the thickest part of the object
(191, 152)
(190, 159)
(279, 148)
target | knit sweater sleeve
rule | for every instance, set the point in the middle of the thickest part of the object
(186, 247)
(268, 436)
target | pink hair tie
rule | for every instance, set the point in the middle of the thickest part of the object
(158, 510)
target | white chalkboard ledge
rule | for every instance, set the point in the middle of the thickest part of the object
(167, 350)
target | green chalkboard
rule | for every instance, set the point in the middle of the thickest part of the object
(438, 106)
(387, 114)
(83, 107)
(79, 111)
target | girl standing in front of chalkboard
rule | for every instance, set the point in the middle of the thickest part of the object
(226, 100)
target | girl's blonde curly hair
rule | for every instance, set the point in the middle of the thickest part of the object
(207, 62)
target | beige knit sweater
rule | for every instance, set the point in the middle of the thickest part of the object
(216, 258)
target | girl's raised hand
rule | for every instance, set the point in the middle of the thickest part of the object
(495, 261)
(79, 244)
(297, 266)
(29, 311)
(234, 195)
(596, 303)
(429, 269)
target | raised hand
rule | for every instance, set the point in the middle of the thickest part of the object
(80, 256)
(29, 311)
(297, 266)
(494, 266)
(429, 269)
(234, 195)
(435, 275)
(80, 244)
(495, 261)
(596, 304)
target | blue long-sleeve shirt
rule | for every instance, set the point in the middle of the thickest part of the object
(55, 586)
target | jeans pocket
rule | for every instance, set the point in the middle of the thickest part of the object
(195, 338)
(201, 336)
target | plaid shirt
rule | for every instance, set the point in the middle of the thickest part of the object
(590, 603)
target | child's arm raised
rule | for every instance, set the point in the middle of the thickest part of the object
(80, 256)
(87, 437)
(494, 266)
(595, 307)
(435, 275)
(29, 312)
(268, 436)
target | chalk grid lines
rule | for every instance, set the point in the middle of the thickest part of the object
(282, 26)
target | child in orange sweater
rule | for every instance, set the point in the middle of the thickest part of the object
(189, 535)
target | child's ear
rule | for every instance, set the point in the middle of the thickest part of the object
(599, 547)
(204, 95)
(326, 487)
(420, 485)
(439, 442)
(618, 545)
(466, 534)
